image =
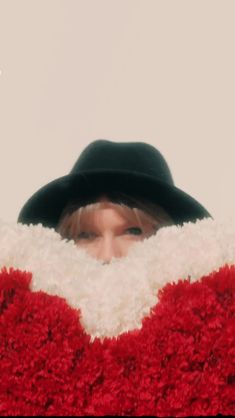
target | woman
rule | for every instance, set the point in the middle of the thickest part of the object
(116, 194)
(108, 228)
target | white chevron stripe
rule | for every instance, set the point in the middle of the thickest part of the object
(115, 298)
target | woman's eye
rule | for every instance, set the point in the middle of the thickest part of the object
(137, 231)
(84, 235)
(87, 235)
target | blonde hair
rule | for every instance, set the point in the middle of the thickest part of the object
(131, 208)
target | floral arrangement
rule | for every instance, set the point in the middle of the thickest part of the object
(149, 334)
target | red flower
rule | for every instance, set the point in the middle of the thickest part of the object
(181, 362)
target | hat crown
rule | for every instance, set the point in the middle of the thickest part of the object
(136, 157)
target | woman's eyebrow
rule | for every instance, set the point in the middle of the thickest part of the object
(95, 224)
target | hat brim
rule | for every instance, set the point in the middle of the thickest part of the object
(46, 205)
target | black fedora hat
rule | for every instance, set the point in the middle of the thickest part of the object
(134, 168)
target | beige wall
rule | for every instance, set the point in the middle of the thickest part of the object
(73, 71)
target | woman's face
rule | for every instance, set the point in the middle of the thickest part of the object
(105, 233)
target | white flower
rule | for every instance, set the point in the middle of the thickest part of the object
(114, 298)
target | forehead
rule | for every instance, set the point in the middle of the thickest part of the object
(107, 212)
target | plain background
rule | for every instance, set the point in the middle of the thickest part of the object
(161, 72)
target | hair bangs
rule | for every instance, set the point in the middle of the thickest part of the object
(72, 217)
